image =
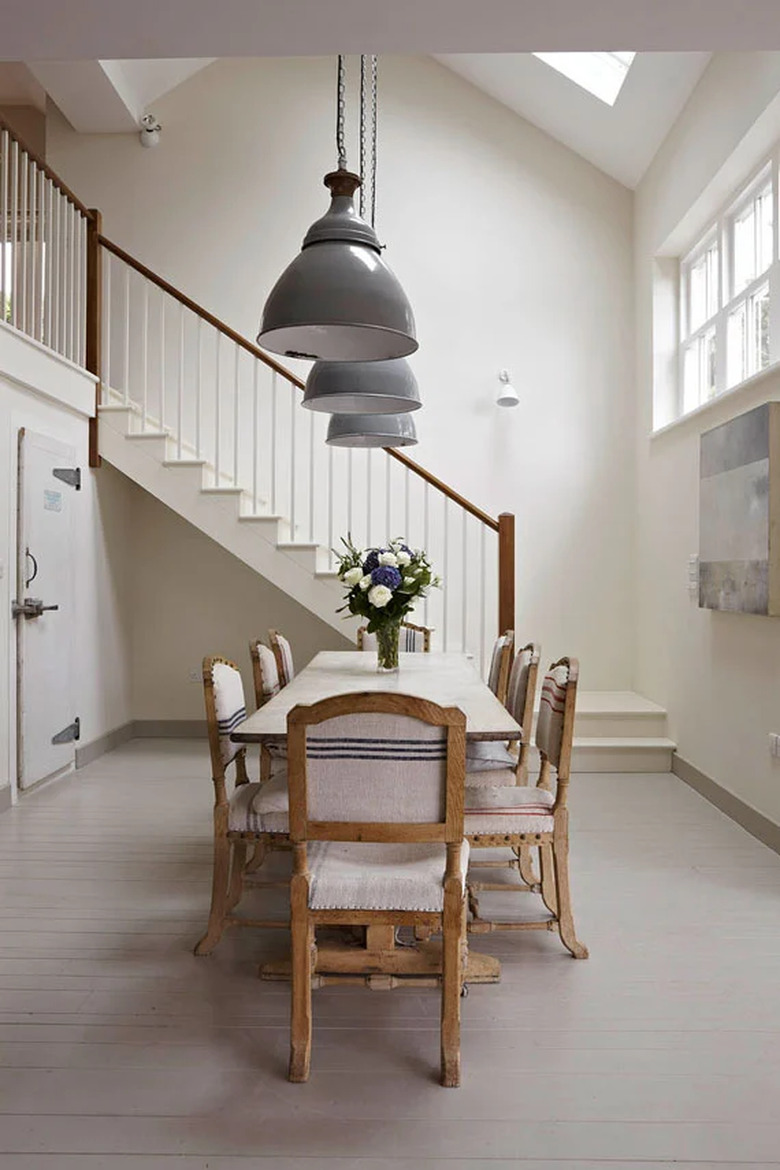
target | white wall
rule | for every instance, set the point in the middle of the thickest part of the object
(42, 392)
(189, 598)
(718, 674)
(515, 253)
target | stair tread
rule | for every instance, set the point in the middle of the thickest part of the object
(184, 463)
(222, 491)
(616, 703)
(148, 435)
(252, 517)
(627, 741)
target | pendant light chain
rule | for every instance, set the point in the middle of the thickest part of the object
(373, 137)
(341, 148)
(363, 136)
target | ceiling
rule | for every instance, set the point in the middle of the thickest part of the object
(38, 30)
(621, 139)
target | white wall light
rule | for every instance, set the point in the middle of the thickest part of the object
(507, 395)
(150, 130)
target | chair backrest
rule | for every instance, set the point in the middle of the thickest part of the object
(223, 692)
(521, 688)
(283, 655)
(500, 662)
(376, 767)
(413, 639)
(265, 672)
(555, 725)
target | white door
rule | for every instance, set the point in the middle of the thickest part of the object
(46, 718)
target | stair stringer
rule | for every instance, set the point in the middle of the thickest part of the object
(292, 568)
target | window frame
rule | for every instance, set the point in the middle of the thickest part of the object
(721, 231)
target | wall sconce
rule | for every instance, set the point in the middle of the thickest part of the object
(149, 133)
(507, 395)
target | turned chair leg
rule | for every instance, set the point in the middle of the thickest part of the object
(525, 865)
(219, 896)
(560, 850)
(237, 874)
(452, 979)
(257, 858)
(302, 963)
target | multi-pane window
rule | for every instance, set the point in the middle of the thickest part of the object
(728, 282)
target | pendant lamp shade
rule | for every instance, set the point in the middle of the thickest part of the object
(338, 300)
(362, 387)
(371, 430)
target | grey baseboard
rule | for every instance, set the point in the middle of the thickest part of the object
(87, 752)
(5, 798)
(752, 821)
(169, 729)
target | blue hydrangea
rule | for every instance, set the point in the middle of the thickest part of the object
(386, 575)
(372, 560)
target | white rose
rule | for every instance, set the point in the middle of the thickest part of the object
(380, 595)
(403, 558)
(352, 576)
(365, 582)
(388, 558)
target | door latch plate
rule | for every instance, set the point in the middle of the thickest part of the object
(69, 733)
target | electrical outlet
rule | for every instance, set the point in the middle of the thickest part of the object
(194, 674)
(774, 744)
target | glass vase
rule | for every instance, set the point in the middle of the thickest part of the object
(387, 637)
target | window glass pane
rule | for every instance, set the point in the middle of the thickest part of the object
(703, 286)
(765, 225)
(744, 249)
(736, 346)
(699, 369)
(708, 362)
(691, 378)
(759, 319)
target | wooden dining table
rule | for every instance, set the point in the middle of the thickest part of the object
(447, 679)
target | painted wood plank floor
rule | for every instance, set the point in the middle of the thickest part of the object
(119, 1049)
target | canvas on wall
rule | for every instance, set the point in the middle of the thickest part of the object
(739, 566)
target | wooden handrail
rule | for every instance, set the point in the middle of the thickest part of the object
(44, 166)
(262, 356)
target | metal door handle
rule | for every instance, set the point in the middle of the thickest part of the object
(31, 607)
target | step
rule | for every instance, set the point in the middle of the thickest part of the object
(617, 714)
(622, 754)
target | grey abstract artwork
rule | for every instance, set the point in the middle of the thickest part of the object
(734, 514)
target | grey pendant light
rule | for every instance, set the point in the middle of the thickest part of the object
(371, 430)
(338, 300)
(362, 387)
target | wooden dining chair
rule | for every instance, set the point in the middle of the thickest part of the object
(265, 674)
(413, 639)
(252, 814)
(376, 786)
(535, 817)
(500, 664)
(282, 651)
(490, 762)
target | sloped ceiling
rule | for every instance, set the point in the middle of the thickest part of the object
(620, 139)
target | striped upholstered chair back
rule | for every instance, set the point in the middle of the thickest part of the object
(225, 708)
(264, 672)
(521, 689)
(412, 640)
(555, 725)
(368, 766)
(283, 655)
(500, 662)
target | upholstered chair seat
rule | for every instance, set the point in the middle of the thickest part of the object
(515, 809)
(357, 875)
(260, 808)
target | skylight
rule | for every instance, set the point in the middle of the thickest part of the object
(601, 74)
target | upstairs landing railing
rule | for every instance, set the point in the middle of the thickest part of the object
(222, 400)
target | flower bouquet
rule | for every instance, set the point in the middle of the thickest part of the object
(383, 586)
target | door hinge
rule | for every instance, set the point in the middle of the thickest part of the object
(69, 733)
(71, 475)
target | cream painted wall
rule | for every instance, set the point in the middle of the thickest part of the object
(718, 674)
(514, 251)
(191, 598)
(41, 392)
